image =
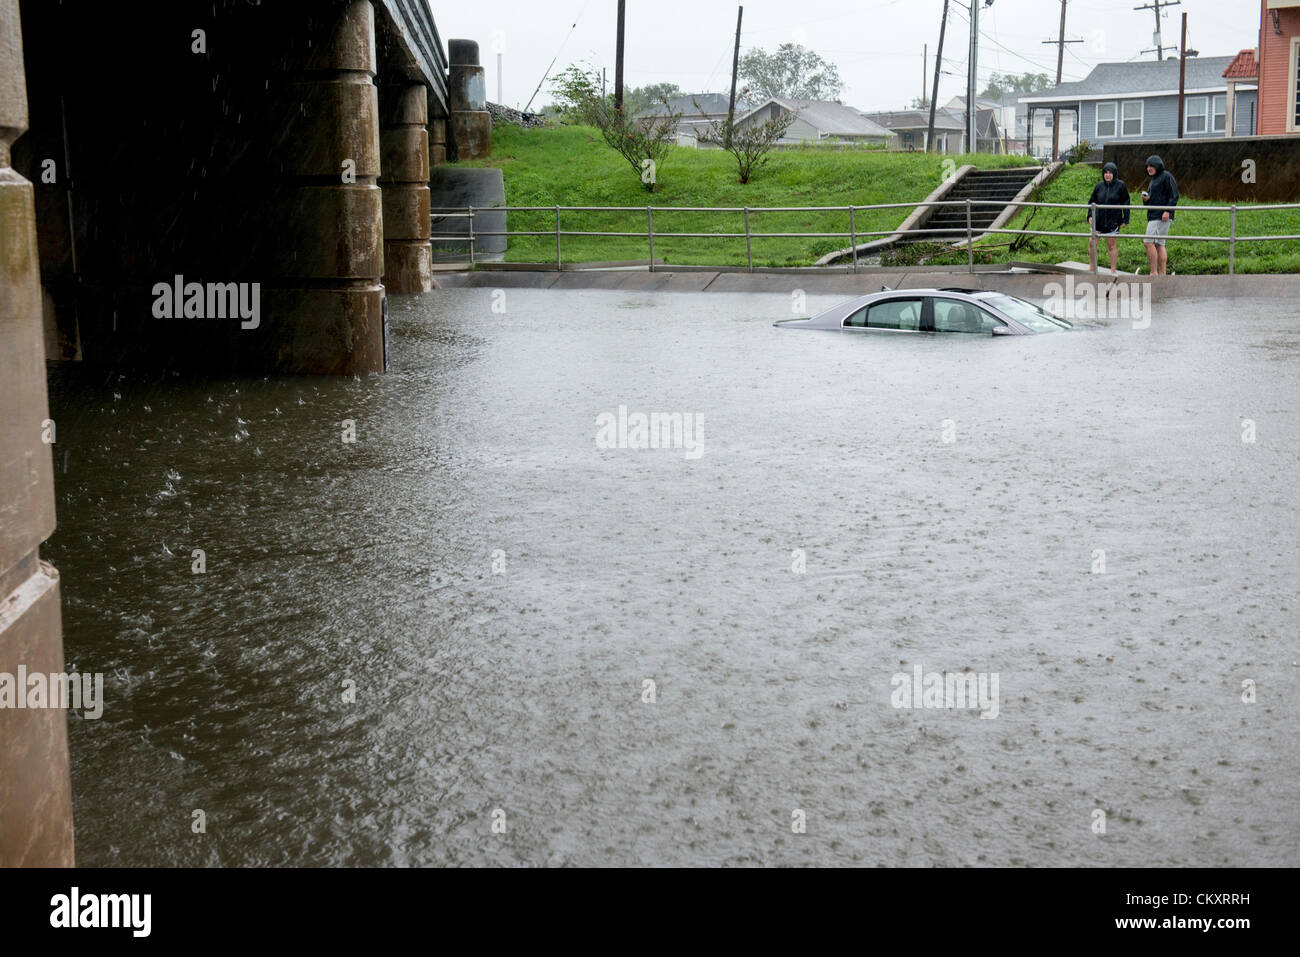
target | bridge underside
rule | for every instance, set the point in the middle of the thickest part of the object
(275, 154)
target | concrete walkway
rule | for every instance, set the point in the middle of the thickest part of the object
(865, 281)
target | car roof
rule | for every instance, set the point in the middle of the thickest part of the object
(835, 315)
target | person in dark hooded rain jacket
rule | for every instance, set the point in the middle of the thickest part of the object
(1111, 191)
(1162, 191)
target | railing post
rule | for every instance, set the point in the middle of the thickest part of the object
(557, 239)
(650, 233)
(853, 238)
(970, 240)
(1232, 243)
(749, 248)
(1094, 248)
(470, 210)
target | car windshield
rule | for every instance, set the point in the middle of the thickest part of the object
(1026, 313)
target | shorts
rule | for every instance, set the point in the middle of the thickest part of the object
(1157, 231)
(1113, 232)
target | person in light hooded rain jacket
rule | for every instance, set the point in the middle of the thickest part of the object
(1162, 191)
(1111, 191)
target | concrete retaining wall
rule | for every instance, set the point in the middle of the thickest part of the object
(1213, 168)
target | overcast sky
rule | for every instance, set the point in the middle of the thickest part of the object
(876, 44)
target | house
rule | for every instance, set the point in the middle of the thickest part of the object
(1038, 134)
(819, 122)
(1242, 75)
(910, 128)
(1139, 100)
(988, 131)
(1012, 117)
(698, 111)
(1279, 67)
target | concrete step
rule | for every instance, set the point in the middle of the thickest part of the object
(954, 221)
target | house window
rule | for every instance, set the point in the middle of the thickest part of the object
(1048, 122)
(1295, 86)
(1074, 122)
(1220, 113)
(1105, 120)
(1132, 118)
(1195, 114)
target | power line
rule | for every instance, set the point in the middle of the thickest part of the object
(1042, 66)
(1159, 48)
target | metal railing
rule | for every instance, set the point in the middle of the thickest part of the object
(853, 235)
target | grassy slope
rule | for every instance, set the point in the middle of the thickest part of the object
(1074, 185)
(571, 166)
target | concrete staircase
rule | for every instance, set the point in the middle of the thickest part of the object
(948, 223)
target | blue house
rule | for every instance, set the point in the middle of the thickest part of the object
(1139, 101)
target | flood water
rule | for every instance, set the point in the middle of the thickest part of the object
(494, 590)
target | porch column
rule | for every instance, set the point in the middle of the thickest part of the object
(1230, 118)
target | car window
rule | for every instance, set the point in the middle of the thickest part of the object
(1027, 314)
(954, 315)
(895, 314)
(858, 318)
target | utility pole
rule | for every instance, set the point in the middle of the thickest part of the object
(1156, 5)
(934, 98)
(618, 60)
(1060, 43)
(735, 68)
(1182, 76)
(972, 140)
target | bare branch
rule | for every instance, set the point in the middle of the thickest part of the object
(750, 142)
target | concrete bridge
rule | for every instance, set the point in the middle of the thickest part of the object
(286, 143)
(213, 184)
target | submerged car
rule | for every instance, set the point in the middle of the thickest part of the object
(970, 311)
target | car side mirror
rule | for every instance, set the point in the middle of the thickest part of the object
(1002, 331)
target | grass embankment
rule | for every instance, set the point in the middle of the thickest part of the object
(1074, 185)
(572, 166)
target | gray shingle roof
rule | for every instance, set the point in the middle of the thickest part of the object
(710, 103)
(830, 119)
(1141, 76)
(918, 120)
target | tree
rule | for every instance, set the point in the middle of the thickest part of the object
(575, 79)
(638, 99)
(792, 72)
(644, 142)
(1000, 84)
(750, 142)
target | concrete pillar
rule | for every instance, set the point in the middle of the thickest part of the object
(437, 141)
(470, 123)
(1230, 117)
(35, 787)
(404, 181)
(326, 301)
